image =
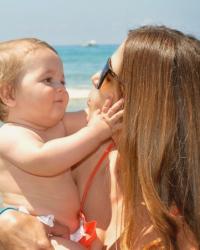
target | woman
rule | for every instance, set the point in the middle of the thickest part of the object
(160, 149)
(158, 70)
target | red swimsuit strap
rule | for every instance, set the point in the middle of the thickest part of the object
(93, 173)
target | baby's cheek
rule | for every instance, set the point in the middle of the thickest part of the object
(66, 97)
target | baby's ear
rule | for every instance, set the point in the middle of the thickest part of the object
(7, 95)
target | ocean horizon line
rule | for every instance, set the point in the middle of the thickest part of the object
(82, 44)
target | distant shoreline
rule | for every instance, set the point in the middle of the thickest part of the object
(76, 44)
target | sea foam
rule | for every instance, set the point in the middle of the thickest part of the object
(78, 93)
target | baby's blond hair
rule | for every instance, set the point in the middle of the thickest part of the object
(12, 54)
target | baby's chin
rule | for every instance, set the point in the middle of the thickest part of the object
(57, 117)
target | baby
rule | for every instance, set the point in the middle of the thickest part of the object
(39, 141)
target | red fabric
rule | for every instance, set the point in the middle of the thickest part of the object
(90, 231)
(93, 173)
(90, 227)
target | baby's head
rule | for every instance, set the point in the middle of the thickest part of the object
(12, 55)
(23, 61)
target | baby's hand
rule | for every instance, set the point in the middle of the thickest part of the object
(109, 120)
(113, 114)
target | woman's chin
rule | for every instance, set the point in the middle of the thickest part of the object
(89, 116)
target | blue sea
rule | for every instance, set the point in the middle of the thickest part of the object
(80, 63)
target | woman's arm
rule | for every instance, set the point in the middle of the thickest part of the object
(19, 231)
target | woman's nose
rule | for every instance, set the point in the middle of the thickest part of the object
(95, 78)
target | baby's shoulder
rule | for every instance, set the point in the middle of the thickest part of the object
(7, 132)
(11, 135)
(7, 129)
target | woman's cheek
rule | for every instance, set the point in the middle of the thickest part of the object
(95, 99)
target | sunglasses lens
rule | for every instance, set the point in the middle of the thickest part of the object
(103, 75)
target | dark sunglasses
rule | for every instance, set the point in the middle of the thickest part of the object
(107, 70)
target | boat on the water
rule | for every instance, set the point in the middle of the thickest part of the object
(90, 43)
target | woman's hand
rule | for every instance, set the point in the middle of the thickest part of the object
(19, 231)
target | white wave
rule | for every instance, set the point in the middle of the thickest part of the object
(78, 93)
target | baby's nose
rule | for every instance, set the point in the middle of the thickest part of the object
(59, 85)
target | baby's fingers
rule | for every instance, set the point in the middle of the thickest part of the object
(107, 104)
(115, 107)
(117, 117)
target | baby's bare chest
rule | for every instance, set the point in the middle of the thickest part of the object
(39, 194)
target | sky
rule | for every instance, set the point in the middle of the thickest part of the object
(61, 22)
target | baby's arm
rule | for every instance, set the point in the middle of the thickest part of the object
(27, 151)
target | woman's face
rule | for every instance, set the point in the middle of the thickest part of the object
(110, 87)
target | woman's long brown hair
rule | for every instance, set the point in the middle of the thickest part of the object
(161, 136)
